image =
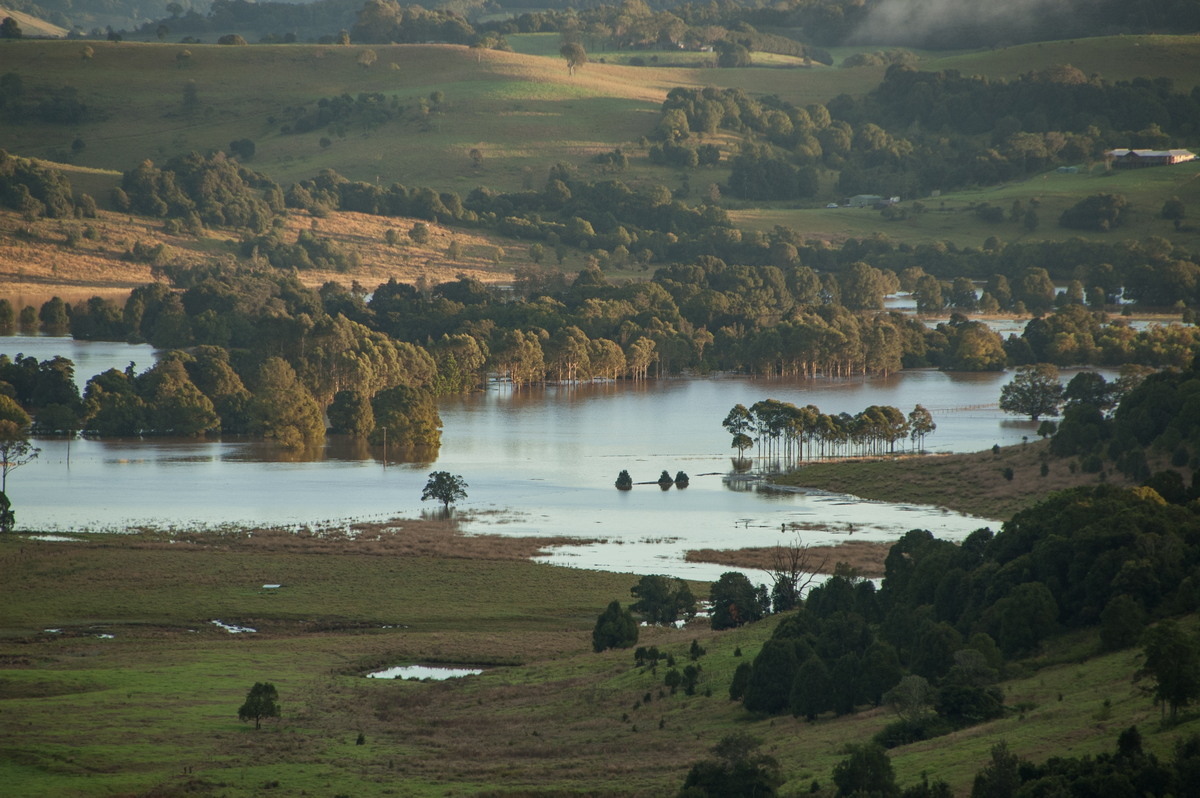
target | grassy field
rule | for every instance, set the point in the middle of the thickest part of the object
(951, 217)
(114, 680)
(970, 483)
(1111, 57)
(522, 111)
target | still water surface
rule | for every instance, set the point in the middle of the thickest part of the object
(539, 461)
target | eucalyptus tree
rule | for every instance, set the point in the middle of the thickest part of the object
(863, 287)
(281, 409)
(607, 359)
(517, 356)
(406, 416)
(567, 354)
(920, 424)
(174, 405)
(15, 451)
(928, 294)
(640, 355)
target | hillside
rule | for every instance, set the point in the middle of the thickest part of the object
(951, 217)
(33, 26)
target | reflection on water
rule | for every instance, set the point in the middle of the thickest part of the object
(540, 461)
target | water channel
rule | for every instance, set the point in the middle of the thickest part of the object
(538, 461)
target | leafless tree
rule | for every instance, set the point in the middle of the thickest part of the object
(793, 569)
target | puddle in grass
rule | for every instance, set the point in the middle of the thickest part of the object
(234, 630)
(424, 672)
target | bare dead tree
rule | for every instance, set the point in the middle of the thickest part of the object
(793, 570)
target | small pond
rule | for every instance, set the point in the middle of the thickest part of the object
(422, 672)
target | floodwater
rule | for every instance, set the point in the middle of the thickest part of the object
(540, 462)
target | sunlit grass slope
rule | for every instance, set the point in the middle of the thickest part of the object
(950, 217)
(523, 113)
(1111, 57)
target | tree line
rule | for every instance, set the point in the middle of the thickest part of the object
(791, 434)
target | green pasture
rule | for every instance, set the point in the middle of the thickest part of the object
(153, 707)
(524, 113)
(1111, 57)
(951, 217)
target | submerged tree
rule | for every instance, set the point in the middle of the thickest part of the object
(920, 424)
(445, 487)
(624, 481)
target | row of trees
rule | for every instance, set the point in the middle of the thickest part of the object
(199, 392)
(705, 315)
(789, 433)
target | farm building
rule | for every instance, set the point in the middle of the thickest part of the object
(1132, 159)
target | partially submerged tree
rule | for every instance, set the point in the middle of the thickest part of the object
(261, 702)
(624, 481)
(15, 451)
(1035, 392)
(920, 424)
(445, 487)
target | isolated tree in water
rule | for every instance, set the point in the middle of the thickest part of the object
(261, 702)
(445, 487)
(1034, 392)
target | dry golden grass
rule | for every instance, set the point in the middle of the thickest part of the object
(970, 483)
(37, 261)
